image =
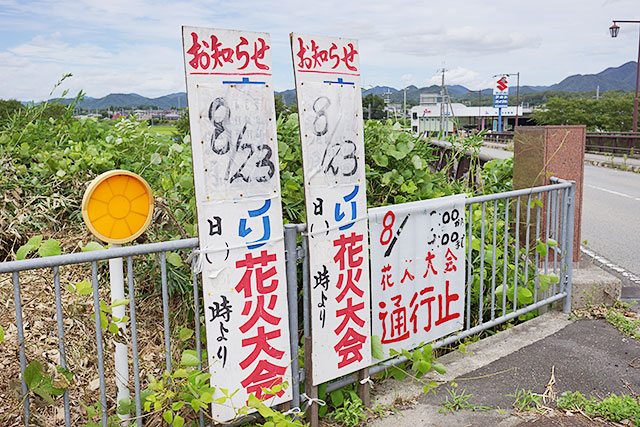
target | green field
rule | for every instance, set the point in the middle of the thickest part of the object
(163, 129)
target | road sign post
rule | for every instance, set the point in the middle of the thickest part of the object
(500, 97)
(117, 207)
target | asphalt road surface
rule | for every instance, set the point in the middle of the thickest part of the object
(611, 215)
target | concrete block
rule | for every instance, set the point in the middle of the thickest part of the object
(594, 286)
(540, 152)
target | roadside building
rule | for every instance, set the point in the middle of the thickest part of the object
(432, 115)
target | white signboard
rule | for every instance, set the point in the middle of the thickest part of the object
(417, 271)
(327, 72)
(501, 86)
(237, 183)
(501, 92)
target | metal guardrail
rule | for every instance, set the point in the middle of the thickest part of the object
(460, 161)
(615, 143)
(553, 221)
(622, 144)
(499, 137)
(525, 223)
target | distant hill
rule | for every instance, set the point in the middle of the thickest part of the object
(132, 100)
(379, 90)
(457, 90)
(613, 78)
(288, 96)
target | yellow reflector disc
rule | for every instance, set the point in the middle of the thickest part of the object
(117, 206)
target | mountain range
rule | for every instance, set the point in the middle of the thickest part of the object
(612, 78)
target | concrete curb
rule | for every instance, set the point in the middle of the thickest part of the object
(478, 354)
(622, 167)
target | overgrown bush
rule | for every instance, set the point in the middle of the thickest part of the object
(47, 161)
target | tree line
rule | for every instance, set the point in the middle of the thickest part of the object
(611, 112)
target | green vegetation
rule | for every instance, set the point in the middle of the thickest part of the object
(526, 400)
(613, 112)
(613, 408)
(181, 126)
(420, 361)
(460, 400)
(350, 413)
(619, 315)
(8, 107)
(373, 107)
(47, 161)
(47, 158)
(164, 129)
(282, 107)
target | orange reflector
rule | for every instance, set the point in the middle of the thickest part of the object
(117, 206)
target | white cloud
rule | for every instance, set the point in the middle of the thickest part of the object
(52, 49)
(462, 76)
(408, 79)
(469, 41)
(125, 46)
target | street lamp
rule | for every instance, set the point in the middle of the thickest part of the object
(614, 30)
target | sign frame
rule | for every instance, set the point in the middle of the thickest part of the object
(327, 74)
(237, 186)
(418, 282)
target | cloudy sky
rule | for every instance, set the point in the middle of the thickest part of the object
(135, 46)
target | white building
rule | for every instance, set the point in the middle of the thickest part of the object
(427, 116)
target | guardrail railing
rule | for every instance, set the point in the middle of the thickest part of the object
(615, 143)
(519, 259)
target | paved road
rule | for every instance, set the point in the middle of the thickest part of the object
(611, 215)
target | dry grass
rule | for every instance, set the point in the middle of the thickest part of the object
(41, 343)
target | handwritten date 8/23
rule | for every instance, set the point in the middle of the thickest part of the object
(248, 160)
(331, 131)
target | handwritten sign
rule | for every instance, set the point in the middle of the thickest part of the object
(237, 183)
(417, 271)
(330, 110)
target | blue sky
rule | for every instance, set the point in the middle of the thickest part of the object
(135, 46)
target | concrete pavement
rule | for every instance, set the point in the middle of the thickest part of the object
(583, 355)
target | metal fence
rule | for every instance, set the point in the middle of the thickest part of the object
(446, 153)
(612, 143)
(515, 241)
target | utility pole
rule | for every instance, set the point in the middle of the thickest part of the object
(442, 104)
(517, 99)
(387, 101)
(404, 107)
(479, 108)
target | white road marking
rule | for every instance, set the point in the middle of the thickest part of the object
(617, 193)
(611, 265)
